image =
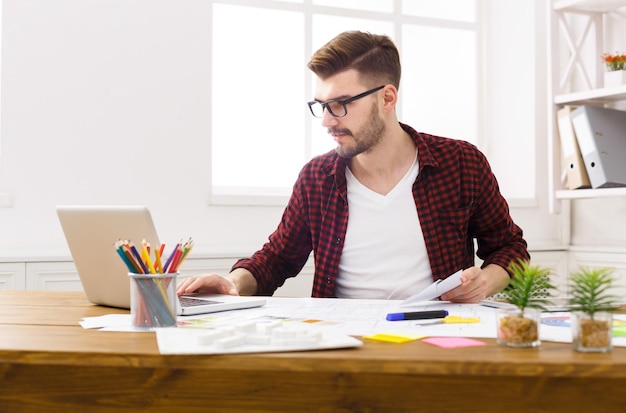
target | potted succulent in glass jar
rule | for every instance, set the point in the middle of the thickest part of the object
(591, 306)
(528, 293)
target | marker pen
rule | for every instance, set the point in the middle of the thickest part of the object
(417, 315)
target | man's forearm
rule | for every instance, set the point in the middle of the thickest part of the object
(244, 281)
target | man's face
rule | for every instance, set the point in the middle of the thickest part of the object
(363, 126)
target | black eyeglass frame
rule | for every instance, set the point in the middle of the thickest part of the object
(344, 102)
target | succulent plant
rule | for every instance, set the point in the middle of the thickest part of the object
(589, 290)
(529, 286)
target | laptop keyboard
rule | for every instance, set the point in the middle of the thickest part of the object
(192, 302)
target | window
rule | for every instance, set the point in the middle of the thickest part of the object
(262, 132)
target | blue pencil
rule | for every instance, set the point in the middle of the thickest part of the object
(138, 258)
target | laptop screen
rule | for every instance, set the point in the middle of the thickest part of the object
(91, 232)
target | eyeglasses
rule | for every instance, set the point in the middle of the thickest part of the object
(337, 107)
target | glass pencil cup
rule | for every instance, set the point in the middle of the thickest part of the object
(153, 300)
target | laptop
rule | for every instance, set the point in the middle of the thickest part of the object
(91, 231)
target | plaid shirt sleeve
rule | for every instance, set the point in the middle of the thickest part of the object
(315, 219)
(457, 199)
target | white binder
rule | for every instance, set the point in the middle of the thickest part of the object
(601, 135)
(572, 159)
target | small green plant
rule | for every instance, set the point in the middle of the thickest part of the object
(589, 290)
(529, 286)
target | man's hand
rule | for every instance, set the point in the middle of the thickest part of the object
(207, 283)
(478, 284)
(238, 282)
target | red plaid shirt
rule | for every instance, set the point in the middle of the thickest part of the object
(457, 199)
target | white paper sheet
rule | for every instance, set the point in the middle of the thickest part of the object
(435, 289)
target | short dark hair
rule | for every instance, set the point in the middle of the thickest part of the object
(375, 57)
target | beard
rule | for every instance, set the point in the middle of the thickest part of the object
(365, 139)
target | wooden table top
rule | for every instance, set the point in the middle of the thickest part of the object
(48, 322)
(40, 329)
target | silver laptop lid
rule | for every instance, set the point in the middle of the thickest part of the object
(90, 232)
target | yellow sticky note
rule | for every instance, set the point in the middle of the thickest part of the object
(455, 319)
(393, 338)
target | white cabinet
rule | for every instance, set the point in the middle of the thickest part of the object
(615, 260)
(52, 276)
(12, 276)
(580, 32)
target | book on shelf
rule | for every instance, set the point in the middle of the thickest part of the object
(601, 136)
(576, 172)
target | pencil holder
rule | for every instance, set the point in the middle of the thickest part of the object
(153, 300)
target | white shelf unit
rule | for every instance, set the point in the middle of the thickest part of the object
(589, 193)
(594, 6)
(577, 35)
(596, 97)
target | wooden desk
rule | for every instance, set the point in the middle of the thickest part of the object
(48, 363)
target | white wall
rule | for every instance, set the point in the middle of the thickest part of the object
(107, 102)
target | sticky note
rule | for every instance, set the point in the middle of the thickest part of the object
(455, 319)
(393, 338)
(453, 342)
(619, 331)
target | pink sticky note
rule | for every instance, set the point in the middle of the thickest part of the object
(453, 342)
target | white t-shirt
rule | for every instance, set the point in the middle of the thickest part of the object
(384, 254)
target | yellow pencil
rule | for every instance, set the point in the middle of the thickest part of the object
(145, 255)
(157, 255)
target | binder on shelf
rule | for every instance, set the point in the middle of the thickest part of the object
(601, 135)
(577, 177)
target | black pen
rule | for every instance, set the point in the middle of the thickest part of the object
(417, 315)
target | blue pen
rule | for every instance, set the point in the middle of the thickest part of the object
(417, 315)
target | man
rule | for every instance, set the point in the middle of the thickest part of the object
(390, 209)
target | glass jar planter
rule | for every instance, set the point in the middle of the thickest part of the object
(517, 329)
(592, 334)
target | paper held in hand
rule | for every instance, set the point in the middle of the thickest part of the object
(435, 289)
